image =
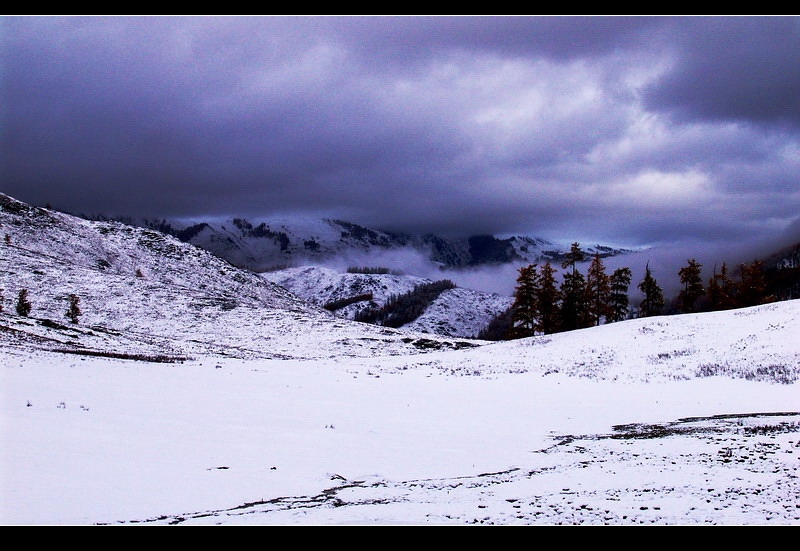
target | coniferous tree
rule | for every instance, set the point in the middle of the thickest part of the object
(549, 297)
(23, 304)
(653, 302)
(714, 292)
(499, 328)
(574, 314)
(574, 256)
(692, 286)
(525, 311)
(720, 290)
(727, 288)
(619, 282)
(598, 291)
(753, 285)
(74, 310)
(573, 291)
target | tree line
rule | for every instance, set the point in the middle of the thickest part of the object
(399, 310)
(343, 302)
(723, 291)
(369, 270)
(542, 305)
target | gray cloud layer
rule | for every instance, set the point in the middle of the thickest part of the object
(630, 130)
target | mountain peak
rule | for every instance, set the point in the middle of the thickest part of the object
(287, 241)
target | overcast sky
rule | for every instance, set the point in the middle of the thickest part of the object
(629, 131)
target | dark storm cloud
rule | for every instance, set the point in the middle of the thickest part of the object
(632, 130)
(557, 38)
(733, 69)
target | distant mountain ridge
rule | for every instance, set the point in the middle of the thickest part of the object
(289, 242)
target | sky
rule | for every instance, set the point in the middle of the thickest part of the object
(629, 131)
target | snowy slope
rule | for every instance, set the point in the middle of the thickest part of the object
(145, 292)
(757, 343)
(674, 421)
(460, 313)
(455, 313)
(320, 285)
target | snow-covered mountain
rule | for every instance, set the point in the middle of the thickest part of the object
(144, 292)
(455, 312)
(291, 241)
(114, 252)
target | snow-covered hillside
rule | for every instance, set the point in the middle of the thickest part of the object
(454, 313)
(196, 393)
(144, 292)
(320, 285)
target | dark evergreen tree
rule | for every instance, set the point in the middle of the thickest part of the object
(23, 304)
(653, 302)
(619, 283)
(721, 290)
(74, 310)
(499, 328)
(753, 284)
(341, 303)
(574, 314)
(367, 270)
(549, 298)
(782, 272)
(692, 286)
(525, 310)
(598, 291)
(573, 257)
(727, 288)
(713, 292)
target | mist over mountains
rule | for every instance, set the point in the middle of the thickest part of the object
(485, 263)
(295, 241)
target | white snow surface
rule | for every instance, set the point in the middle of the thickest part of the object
(232, 402)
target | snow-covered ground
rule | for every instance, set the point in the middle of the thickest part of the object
(231, 401)
(640, 422)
